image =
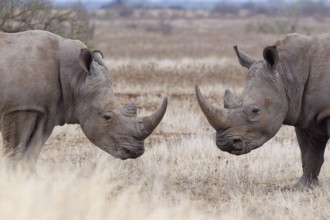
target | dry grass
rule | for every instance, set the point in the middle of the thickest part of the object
(182, 174)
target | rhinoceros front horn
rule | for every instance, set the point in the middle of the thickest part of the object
(217, 117)
(149, 123)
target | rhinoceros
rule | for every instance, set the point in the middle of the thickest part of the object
(46, 81)
(290, 86)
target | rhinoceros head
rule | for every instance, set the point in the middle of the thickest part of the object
(116, 130)
(247, 122)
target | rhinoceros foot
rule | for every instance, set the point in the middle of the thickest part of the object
(306, 184)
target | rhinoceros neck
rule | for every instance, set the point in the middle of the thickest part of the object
(69, 99)
(70, 77)
(294, 68)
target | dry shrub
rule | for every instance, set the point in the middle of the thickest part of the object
(21, 15)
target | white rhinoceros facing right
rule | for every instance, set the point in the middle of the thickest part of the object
(290, 86)
(45, 81)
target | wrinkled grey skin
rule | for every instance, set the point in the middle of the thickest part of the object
(45, 81)
(290, 86)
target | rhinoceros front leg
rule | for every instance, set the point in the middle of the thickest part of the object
(23, 133)
(312, 148)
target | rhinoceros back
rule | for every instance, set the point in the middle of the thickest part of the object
(30, 72)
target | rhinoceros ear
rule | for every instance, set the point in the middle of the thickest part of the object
(98, 56)
(244, 59)
(271, 56)
(98, 53)
(85, 59)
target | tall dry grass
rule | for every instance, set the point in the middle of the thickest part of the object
(182, 174)
(179, 177)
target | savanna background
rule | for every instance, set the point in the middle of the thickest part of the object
(152, 52)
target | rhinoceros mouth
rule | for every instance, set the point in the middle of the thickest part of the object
(127, 148)
(130, 152)
(130, 149)
(239, 152)
(232, 144)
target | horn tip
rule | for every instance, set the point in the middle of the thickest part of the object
(198, 91)
(165, 101)
(197, 88)
(236, 49)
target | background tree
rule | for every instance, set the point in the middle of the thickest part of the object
(20, 15)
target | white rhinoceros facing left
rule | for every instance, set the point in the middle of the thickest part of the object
(45, 81)
(291, 86)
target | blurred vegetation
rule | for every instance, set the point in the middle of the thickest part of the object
(21, 15)
(282, 17)
(299, 8)
(286, 16)
(75, 22)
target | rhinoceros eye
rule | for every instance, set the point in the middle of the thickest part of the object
(255, 111)
(107, 116)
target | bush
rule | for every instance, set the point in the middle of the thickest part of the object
(21, 15)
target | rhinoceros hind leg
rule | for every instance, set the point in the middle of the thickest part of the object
(312, 148)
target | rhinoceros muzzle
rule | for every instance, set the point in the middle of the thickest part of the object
(131, 153)
(128, 142)
(219, 119)
(131, 149)
(232, 145)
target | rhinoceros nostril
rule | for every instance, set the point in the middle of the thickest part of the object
(237, 144)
